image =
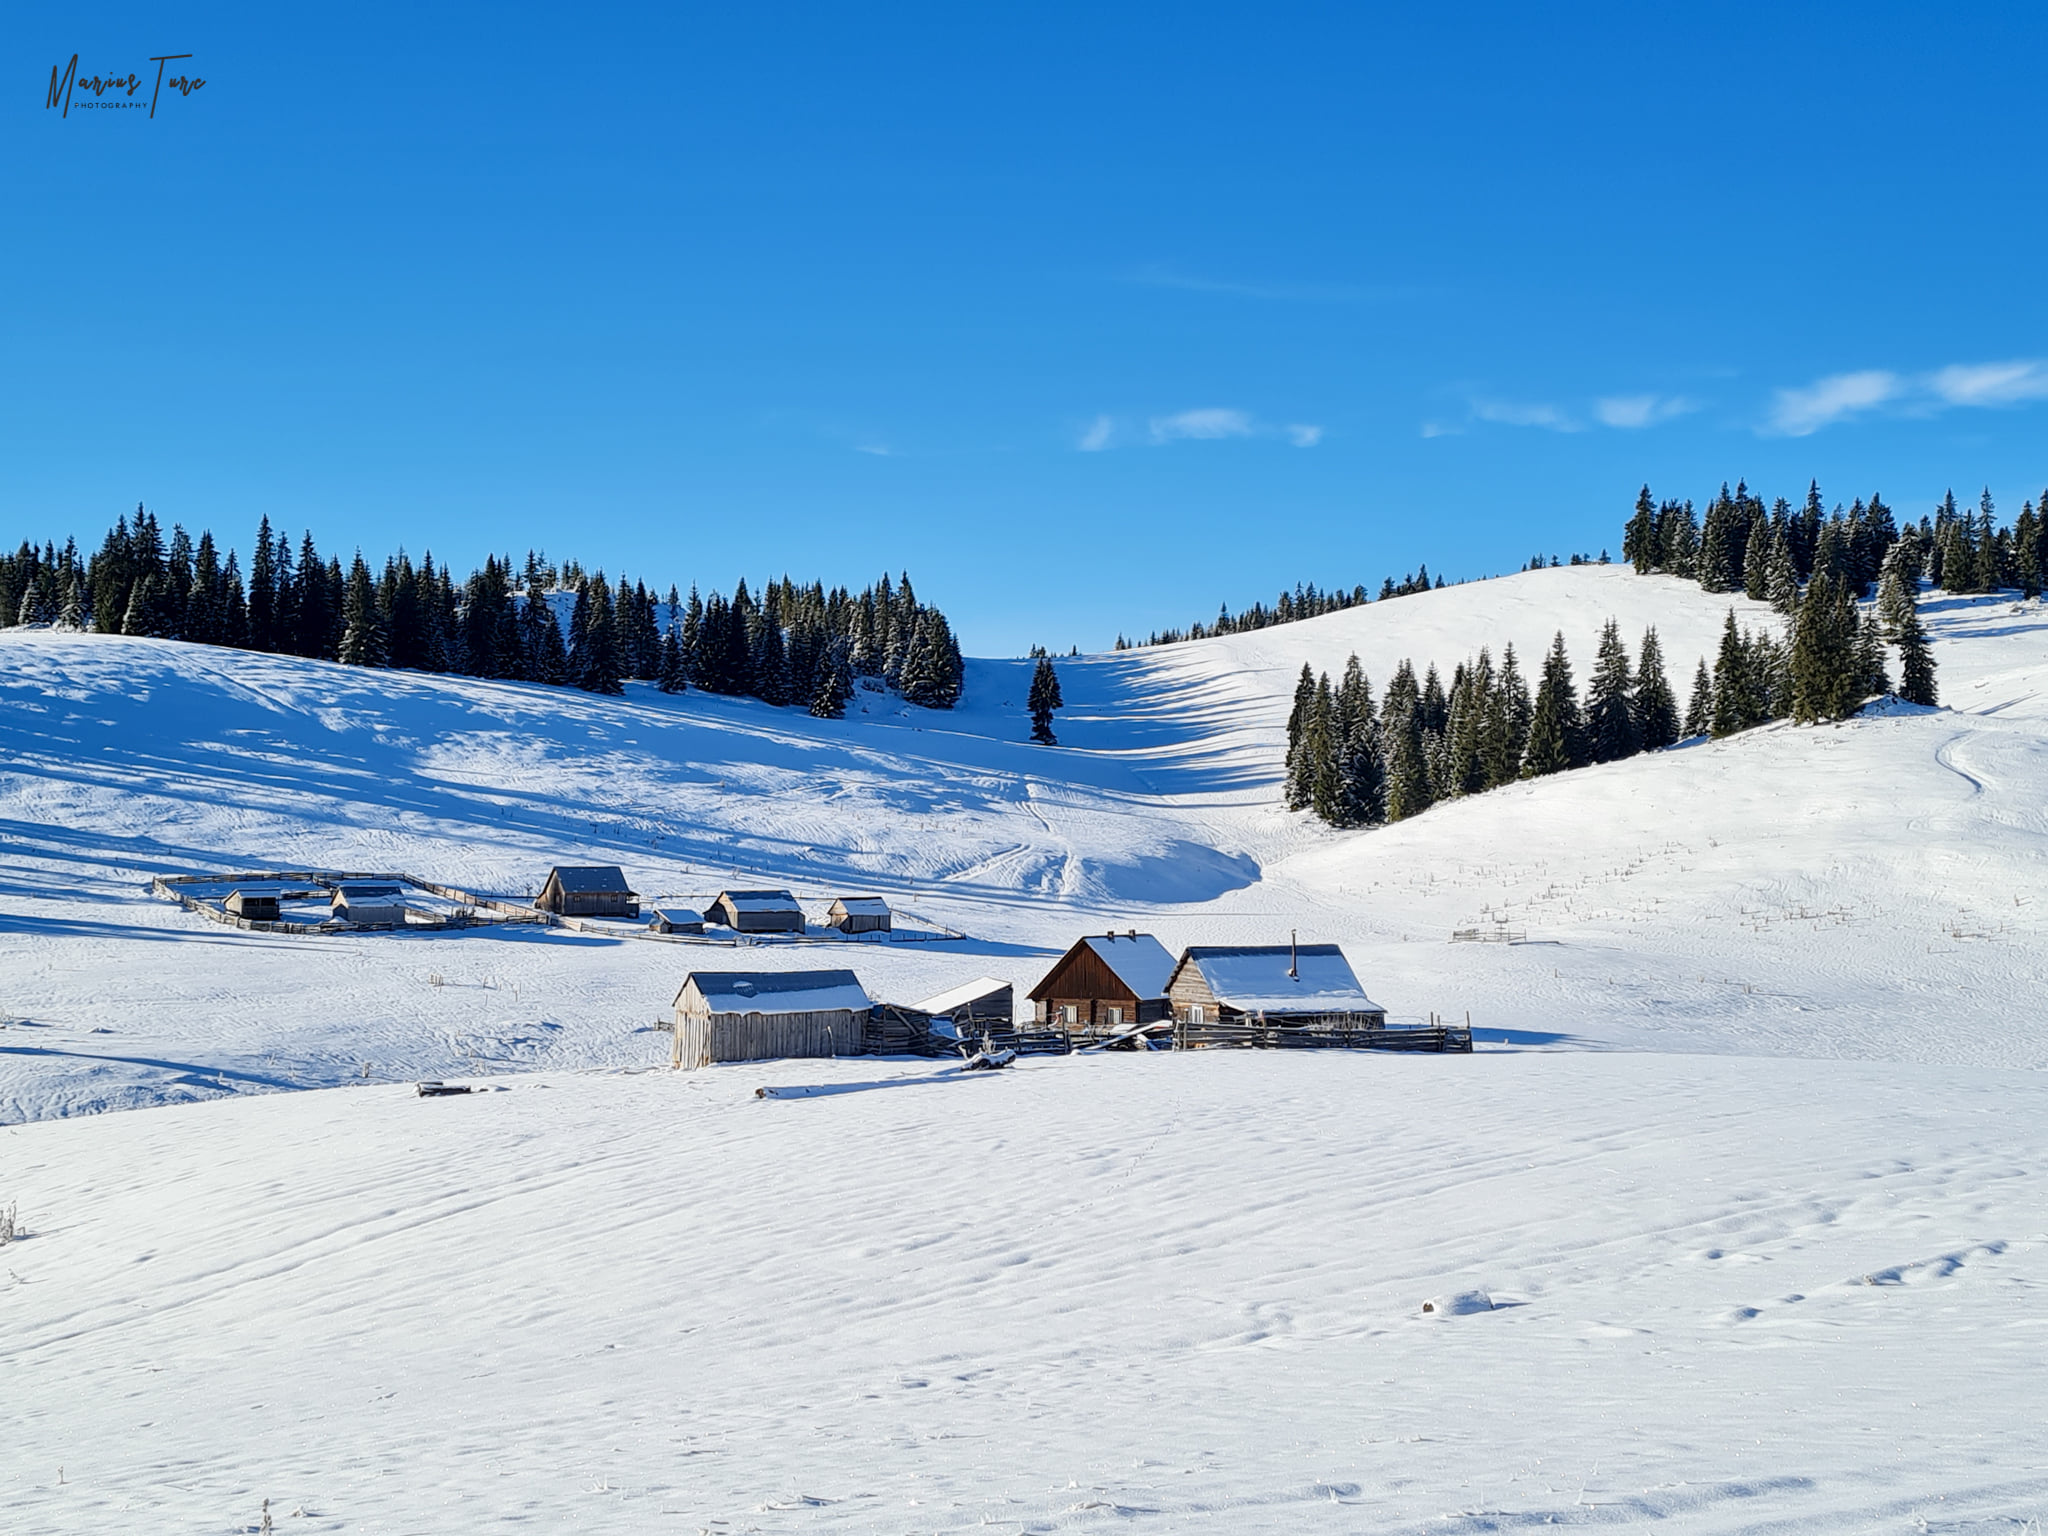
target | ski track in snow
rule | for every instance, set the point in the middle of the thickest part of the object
(1750, 1156)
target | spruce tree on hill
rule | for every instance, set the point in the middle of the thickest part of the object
(834, 683)
(317, 619)
(1611, 730)
(596, 654)
(363, 639)
(1320, 743)
(1655, 707)
(1297, 784)
(1556, 729)
(1505, 734)
(1738, 702)
(1826, 677)
(1401, 740)
(262, 591)
(1044, 698)
(145, 615)
(1916, 662)
(1699, 710)
(1872, 679)
(1639, 538)
(672, 678)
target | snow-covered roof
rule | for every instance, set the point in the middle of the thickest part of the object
(778, 991)
(590, 879)
(863, 906)
(1253, 977)
(1137, 960)
(759, 901)
(365, 890)
(960, 996)
(679, 914)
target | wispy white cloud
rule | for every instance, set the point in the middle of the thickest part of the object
(1442, 429)
(1991, 383)
(1513, 413)
(1839, 396)
(879, 450)
(1210, 423)
(1207, 423)
(1633, 411)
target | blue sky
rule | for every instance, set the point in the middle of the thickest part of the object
(1092, 317)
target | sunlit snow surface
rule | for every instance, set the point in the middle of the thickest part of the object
(1751, 1158)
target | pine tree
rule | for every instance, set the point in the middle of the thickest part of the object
(1639, 538)
(1738, 703)
(1556, 731)
(835, 683)
(1043, 700)
(1699, 710)
(1298, 776)
(364, 641)
(1362, 795)
(262, 592)
(1872, 680)
(1655, 707)
(1506, 732)
(1326, 785)
(1826, 678)
(595, 661)
(1401, 725)
(1916, 662)
(1611, 730)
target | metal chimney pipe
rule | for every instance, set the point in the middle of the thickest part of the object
(1293, 956)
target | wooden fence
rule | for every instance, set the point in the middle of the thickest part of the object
(1249, 1035)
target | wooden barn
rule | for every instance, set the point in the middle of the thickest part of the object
(985, 1000)
(764, 1015)
(1105, 983)
(368, 901)
(588, 890)
(676, 920)
(255, 904)
(757, 912)
(859, 914)
(1300, 985)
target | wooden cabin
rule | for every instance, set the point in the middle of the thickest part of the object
(588, 890)
(1105, 983)
(859, 914)
(258, 906)
(1303, 985)
(985, 1000)
(757, 912)
(765, 1015)
(364, 902)
(676, 920)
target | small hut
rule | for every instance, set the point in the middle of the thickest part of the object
(1103, 984)
(763, 1015)
(364, 902)
(757, 912)
(677, 920)
(258, 906)
(1307, 986)
(985, 1000)
(588, 890)
(859, 914)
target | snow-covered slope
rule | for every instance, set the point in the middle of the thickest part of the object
(1866, 890)
(1744, 1283)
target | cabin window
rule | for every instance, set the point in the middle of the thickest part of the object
(1197, 1014)
(1070, 1013)
(1116, 1015)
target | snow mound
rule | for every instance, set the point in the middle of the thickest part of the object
(1457, 1304)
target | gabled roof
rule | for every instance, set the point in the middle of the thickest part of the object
(1137, 960)
(960, 996)
(758, 901)
(863, 906)
(1253, 977)
(364, 890)
(778, 991)
(679, 914)
(590, 879)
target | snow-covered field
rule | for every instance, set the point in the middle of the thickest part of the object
(1775, 1033)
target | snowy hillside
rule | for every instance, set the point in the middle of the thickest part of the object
(1748, 1161)
(1867, 890)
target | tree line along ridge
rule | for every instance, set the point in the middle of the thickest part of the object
(791, 645)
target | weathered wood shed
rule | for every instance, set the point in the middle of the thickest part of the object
(1304, 985)
(368, 902)
(859, 914)
(764, 1015)
(677, 920)
(588, 890)
(985, 1000)
(1105, 983)
(255, 904)
(757, 912)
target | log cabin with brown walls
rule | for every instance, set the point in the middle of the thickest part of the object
(1105, 983)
